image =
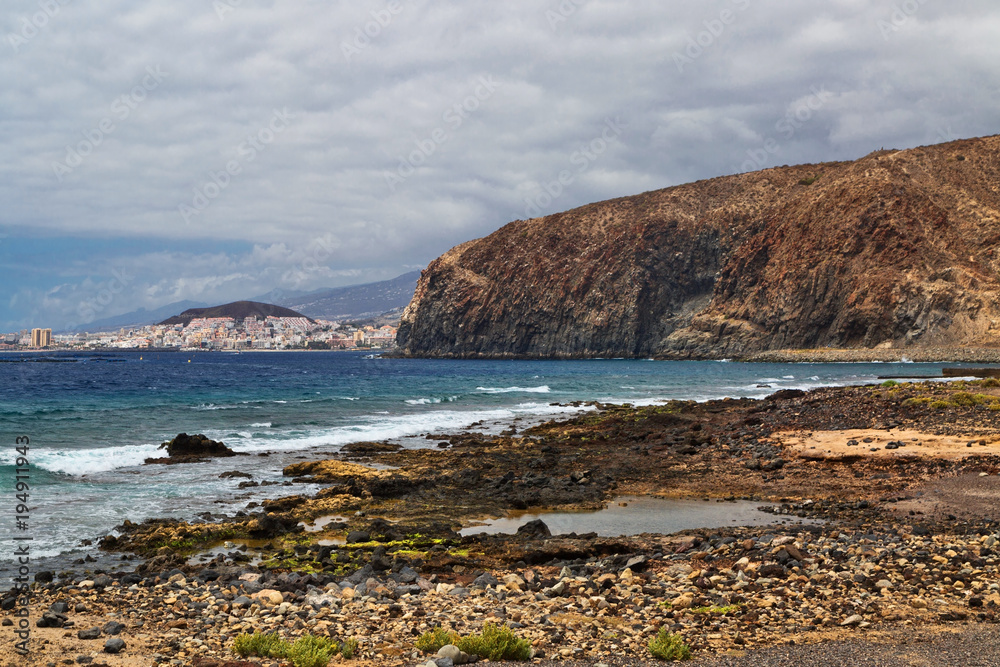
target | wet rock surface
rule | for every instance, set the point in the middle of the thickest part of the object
(192, 448)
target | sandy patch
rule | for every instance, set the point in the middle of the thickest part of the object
(57, 644)
(835, 445)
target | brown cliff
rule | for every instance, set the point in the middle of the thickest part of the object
(898, 249)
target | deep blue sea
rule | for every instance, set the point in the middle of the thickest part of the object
(94, 417)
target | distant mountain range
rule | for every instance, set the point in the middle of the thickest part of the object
(238, 310)
(138, 318)
(339, 303)
(356, 301)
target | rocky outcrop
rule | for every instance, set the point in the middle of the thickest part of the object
(895, 250)
(191, 449)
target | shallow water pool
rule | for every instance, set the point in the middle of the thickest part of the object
(634, 515)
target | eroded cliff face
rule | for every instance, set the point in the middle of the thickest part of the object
(897, 249)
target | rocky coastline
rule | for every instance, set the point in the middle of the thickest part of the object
(900, 484)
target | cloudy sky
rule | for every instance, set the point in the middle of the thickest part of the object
(216, 150)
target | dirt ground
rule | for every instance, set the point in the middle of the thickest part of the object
(853, 444)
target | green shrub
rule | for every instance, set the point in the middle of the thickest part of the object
(666, 646)
(312, 651)
(994, 407)
(990, 382)
(432, 640)
(912, 402)
(717, 609)
(941, 405)
(307, 651)
(965, 399)
(809, 181)
(890, 383)
(261, 645)
(496, 642)
(350, 648)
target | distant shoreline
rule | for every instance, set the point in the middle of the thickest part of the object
(916, 355)
(172, 350)
(787, 356)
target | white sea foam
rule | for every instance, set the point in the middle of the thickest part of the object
(245, 405)
(261, 425)
(544, 389)
(431, 401)
(89, 461)
(385, 428)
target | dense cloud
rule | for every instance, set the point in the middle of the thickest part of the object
(214, 149)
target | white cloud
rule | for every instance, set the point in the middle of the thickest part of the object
(323, 177)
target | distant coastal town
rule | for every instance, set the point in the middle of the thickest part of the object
(215, 333)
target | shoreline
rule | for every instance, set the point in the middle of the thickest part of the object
(410, 559)
(933, 355)
(936, 355)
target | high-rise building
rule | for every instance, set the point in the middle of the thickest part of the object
(41, 337)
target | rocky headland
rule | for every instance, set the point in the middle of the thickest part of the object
(889, 543)
(895, 251)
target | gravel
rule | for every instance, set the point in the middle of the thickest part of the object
(975, 646)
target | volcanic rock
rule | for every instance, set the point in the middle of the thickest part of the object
(895, 250)
(189, 448)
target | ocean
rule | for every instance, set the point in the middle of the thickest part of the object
(93, 418)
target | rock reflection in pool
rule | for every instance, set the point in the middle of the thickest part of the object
(633, 515)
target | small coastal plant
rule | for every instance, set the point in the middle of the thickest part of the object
(667, 646)
(496, 642)
(260, 644)
(920, 400)
(349, 648)
(312, 651)
(432, 640)
(306, 651)
(965, 399)
(890, 383)
(716, 609)
(809, 181)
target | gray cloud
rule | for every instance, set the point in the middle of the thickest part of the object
(374, 89)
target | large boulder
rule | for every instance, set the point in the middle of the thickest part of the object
(187, 448)
(535, 529)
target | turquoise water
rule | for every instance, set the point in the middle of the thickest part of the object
(94, 418)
